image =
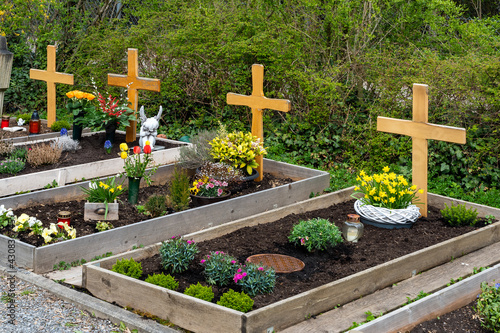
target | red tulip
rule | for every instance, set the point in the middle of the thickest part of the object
(137, 150)
(147, 149)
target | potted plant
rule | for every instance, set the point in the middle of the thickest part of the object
(101, 199)
(387, 200)
(135, 165)
(239, 150)
(111, 113)
(207, 190)
(79, 105)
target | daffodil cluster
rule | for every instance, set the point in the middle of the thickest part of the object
(136, 163)
(80, 102)
(386, 190)
(57, 232)
(26, 223)
(104, 192)
(238, 149)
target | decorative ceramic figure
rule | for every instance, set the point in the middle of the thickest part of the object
(149, 127)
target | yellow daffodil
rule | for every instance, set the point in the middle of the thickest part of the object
(421, 191)
(386, 169)
(392, 199)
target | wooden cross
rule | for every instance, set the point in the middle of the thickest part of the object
(257, 102)
(51, 77)
(421, 131)
(133, 82)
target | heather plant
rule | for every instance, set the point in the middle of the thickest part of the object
(255, 279)
(176, 254)
(58, 125)
(488, 306)
(6, 147)
(162, 280)
(199, 291)
(65, 143)
(179, 190)
(220, 267)
(128, 267)
(459, 215)
(315, 234)
(11, 166)
(236, 301)
(156, 205)
(44, 153)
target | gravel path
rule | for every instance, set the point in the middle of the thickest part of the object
(37, 310)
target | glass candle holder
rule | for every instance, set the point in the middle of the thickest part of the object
(5, 121)
(352, 229)
(35, 123)
(65, 217)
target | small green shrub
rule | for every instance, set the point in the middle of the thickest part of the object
(156, 205)
(11, 166)
(255, 279)
(179, 190)
(219, 267)
(20, 153)
(57, 126)
(128, 267)
(488, 306)
(315, 234)
(201, 292)
(176, 254)
(459, 215)
(237, 301)
(162, 280)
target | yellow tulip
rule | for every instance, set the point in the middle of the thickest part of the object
(70, 94)
(90, 97)
(123, 147)
(148, 143)
(123, 155)
(79, 94)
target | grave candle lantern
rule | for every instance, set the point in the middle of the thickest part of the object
(64, 216)
(352, 228)
(35, 123)
(5, 121)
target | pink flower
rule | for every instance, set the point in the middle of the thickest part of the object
(239, 270)
(302, 241)
(210, 185)
(202, 261)
(233, 262)
(244, 274)
(190, 242)
(260, 268)
(237, 277)
(216, 252)
(224, 183)
(219, 192)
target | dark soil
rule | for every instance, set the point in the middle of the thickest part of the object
(92, 150)
(12, 123)
(464, 320)
(128, 214)
(376, 247)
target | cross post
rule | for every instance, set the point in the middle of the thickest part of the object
(51, 77)
(258, 102)
(421, 131)
(133, 83)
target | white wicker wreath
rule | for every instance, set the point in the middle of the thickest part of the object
(385, 215)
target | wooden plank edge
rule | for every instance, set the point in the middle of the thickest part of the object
(432, 306)
(24, 253)
(482, 210)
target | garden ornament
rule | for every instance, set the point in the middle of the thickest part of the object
(149, 127)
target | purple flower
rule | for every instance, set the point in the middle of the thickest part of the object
(107, 144)
(497, 285)
(64, 132)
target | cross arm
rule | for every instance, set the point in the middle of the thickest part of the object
(41, 75)
(258, 102)
(421, 130)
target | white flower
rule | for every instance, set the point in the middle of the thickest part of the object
(92, 186)
(53, 228)
(23, 218)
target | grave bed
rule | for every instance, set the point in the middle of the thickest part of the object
(432, 306)
(194, 314)
(67, 175)
(42, 259)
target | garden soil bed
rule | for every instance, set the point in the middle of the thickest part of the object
(128, 214)
(464, 319)
(92, 150)
(376, 247)
(13, 123)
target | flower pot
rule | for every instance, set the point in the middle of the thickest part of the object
(387, 218)
(96, 211)
(251, 177)
(110, 129)
(77, 129)
(202, 201)
(133, 189)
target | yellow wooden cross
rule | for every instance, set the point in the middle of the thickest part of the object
(133, 82)
(51, 77)
(421, 131)
(257, 102)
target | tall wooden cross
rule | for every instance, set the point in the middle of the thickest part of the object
(257, 102)
(133, 82)
(421, 131)
(51, 77)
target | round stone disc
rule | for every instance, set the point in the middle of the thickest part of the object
(281, 263)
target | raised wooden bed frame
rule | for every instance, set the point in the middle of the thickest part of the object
(194, 314)
(42, 259)
(71, 174)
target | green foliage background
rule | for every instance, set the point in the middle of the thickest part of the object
(341, 63)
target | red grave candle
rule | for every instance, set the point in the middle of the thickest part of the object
(5, 121)
(64, 217)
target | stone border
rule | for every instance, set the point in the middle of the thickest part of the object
(113, 287)
(42, 259)
(71, 174)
